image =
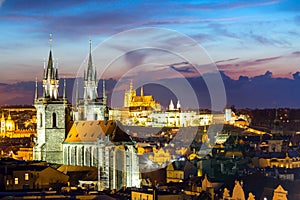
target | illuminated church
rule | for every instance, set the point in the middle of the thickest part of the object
(7, 126)
(53, 115)
(142, 102)
(143, 110)
(90, 140)
(90, 107)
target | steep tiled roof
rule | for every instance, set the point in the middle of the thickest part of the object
(90, 131)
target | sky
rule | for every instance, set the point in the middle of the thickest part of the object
(241, 38)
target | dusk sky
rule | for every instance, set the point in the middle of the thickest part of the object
(243, 38)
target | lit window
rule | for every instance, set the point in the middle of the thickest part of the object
(26, 176)
(16, 181)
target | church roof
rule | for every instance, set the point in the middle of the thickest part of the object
(90, 131)
(146, 99)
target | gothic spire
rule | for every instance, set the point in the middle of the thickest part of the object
(44, 72)
(178, 105)
(36, 90)
(131, 86)
(142, 91)
(50, 69)
(90, 70)
(56, 70)
(50, 79)
(64, 94)
(103, 92)
(90, 80)
(76, 93)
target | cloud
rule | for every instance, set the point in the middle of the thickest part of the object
(296, 53)
(188, 69)
(230, 5)
(268, 40)
(228, 60)
(267, 59)
(255, 92)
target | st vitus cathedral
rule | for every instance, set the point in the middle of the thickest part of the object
(85, 137)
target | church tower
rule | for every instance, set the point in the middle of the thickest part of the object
(91, 107)
(52, 116)
(90, 80)
(3, 125)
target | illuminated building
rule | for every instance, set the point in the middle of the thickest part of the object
(7, 126)
(87, 143)
(137, 103)
(280, 193)
(90, 107)
(103, 145)
(52, 116)
(228, 114)
(145, 111)
(10, 129)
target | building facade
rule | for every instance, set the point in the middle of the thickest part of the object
(103, 145)
(52, 116)
(90, 107)
(145, 111)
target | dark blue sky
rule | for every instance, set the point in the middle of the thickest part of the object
(243, 38)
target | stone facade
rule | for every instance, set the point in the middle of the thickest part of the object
(52, 116)
(90, 143)
(51, 131)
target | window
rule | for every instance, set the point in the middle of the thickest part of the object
(16, 181)
(54, 120)
(41, 120)
(26, 176)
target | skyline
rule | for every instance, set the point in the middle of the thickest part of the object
(243, 39)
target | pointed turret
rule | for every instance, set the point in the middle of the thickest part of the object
(44, 72)
(76, 94)
(103, 92)
(9, 116)
(50, 79)
(131, 86)
(56, 70)
(171, 105)
(142, 91)
(178, 105)
(64, 94)
(36, 95)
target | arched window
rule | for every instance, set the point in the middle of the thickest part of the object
(54, 120)
(41, 119)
